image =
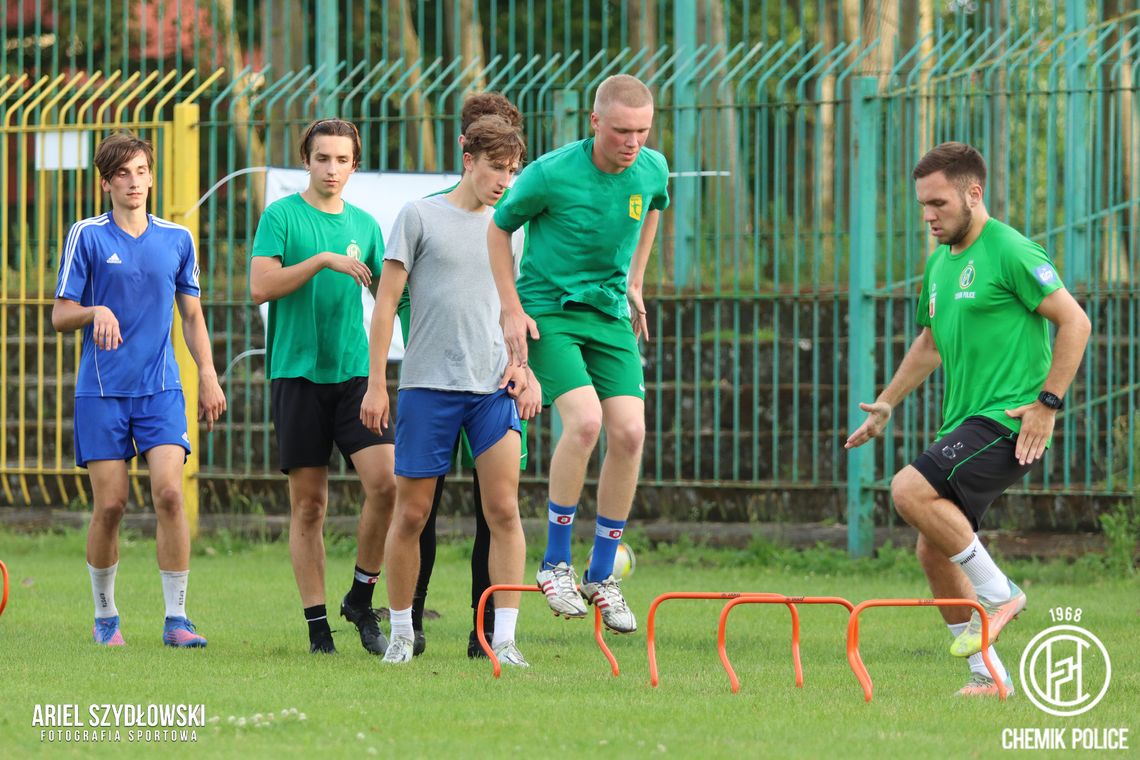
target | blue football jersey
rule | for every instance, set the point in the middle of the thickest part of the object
(136, 278)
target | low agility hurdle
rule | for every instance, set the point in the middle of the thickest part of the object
(856, 661)
(497, 667)
(791, 602)
(4, 598)
(650, 626)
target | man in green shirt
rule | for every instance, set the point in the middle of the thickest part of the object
(312, 254)
(988, 294)
(593, 208)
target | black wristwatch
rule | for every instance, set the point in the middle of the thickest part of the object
(1051, 400)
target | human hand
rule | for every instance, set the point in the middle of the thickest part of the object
(211, 399)
(1037, 422)
(354, 268)
(517, 325)
(878, 414)
(637, 314)
(374, 410)
(105, 329)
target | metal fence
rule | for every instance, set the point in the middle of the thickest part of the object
(784, 281)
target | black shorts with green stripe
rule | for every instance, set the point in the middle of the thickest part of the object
(972, 465)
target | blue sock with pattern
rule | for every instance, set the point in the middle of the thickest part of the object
(559, 531)
(607, 536)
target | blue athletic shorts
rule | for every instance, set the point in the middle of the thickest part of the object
(117, 428)
(429, 421)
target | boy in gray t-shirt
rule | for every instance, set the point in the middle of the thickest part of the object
(455, 376)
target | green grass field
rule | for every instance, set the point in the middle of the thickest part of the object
(243, 598)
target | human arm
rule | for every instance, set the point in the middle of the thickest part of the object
(921, 359)
(634, 290)
(1073, 330)
(515, 322)
(269, 280)
(374, 407)
(68, 315)
(211, 399)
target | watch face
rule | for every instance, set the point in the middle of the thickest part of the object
(1050, 400)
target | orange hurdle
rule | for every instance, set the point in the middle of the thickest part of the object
(791, 601)
(4, 598)
(650, 626)
(856, 661)
(498, 669)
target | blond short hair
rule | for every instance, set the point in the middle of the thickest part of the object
(627, 90)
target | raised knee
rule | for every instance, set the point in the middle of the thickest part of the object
(903, 493)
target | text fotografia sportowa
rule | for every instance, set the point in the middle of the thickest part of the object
(104, 722)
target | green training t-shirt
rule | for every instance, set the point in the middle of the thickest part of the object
(584, 226)
(980, 306)
(317, 331)
(404, 312)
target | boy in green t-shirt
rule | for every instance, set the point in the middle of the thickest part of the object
(593, 208)
(312, 254)
(988, 294)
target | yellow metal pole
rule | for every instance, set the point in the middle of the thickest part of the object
(184, 173)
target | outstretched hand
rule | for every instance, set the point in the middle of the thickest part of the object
(878, 415)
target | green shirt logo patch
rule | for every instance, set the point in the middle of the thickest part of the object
(967, 278)
(353, 251)
(635, 207)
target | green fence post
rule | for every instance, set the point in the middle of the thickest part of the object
(684, 185)
(567, 104)
(1077, 137)
(328, 55)
(866, 115)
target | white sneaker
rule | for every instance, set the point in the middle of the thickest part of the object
(560, 584)
(399, 650)
(607, 597)
(509, 654)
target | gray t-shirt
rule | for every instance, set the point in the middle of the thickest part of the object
(455, 342)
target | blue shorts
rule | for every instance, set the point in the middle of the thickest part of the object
(117, 428)
(429, 421)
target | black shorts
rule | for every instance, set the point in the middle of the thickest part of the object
(972, 465)
(309, 417)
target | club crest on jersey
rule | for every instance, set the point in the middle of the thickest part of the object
(635, 207)
(932, 294)
(967, 278)
(353, 251)
(1045, 274)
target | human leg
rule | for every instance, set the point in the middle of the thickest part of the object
(109, 486)
(165, 463)
(427, 566)
(480, 573)
(944, 494)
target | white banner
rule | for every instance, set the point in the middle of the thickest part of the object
(381, 194)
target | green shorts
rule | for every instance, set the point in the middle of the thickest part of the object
(581, 346)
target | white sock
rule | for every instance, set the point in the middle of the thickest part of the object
(103, 590)
(174, 591)
(505, 620)
(402, 623)
(977, 665)
(988, 581)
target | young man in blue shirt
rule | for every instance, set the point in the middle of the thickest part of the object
(120, 275)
